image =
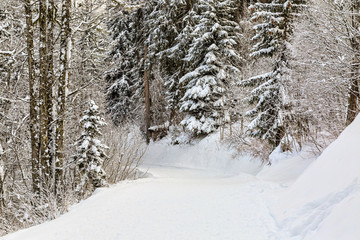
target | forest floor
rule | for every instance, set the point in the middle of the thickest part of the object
(203, 192)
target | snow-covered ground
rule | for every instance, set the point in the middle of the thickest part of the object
(205, 191)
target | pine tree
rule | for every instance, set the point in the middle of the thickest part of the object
(214, 63)
(125, 79)
(161, 24)
(173, 64)
(90, 150)
(269, 92)
(154, 27)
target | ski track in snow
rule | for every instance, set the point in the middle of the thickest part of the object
(176, 203)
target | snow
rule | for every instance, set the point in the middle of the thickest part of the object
(324, 201)
(286, 167)
(205, 190)
(207, 154)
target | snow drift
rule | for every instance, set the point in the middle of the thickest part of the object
(207, 154)
(324, 202)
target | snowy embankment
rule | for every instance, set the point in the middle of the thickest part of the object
(204, 191)
(324, 202)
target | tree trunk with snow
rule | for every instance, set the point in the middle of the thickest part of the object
(64, 74)
(147, 99)
(43, 93)
(50, 84)
(33, 99)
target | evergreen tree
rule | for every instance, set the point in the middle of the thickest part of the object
(155, 26)
(90, 150)
(162, 23)
(214, 63)
(125, 79)
(173, 64)
(269, 94)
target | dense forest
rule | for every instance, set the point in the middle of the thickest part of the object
(86, 84)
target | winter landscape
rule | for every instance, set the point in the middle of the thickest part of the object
(179, 120)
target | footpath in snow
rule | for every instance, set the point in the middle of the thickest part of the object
(198, 193)
(201, 191)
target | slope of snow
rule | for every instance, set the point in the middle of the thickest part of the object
(324, 202)
(286, 167)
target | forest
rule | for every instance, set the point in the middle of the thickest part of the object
(86, 85)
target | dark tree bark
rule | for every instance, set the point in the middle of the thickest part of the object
(43, 94)
(147, 99)
(50, 84)
(353, 98)
(64, 74)
(33, 102)
(189, 4)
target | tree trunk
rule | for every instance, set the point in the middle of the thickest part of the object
(50, 78)
(33, 103)
(147, 99)
(64, 73)
(240, 10)
(353, 108)
(189, 4)
(43, 94)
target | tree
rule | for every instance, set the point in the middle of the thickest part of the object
(325, 62)
(29, 32)
(125, 80)
(273, 25)
(214, 63)
(91, 151)
(43, 95)
(354, 93)
(171, 59)
(2, 178)
(157, 25)
(62, 85)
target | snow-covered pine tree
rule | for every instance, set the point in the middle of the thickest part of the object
(173, 65)
(125, 79)
(153, 26)
(162, 21)
(214, 62)
(91, 151)
(273, 25)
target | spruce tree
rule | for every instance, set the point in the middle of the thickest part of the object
(125, 79)
(178, 68)
(91, 151)
(273, 25)
(214, 64)
(153, 26)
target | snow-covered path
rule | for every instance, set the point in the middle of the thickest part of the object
(177, 203)
(203, 191)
